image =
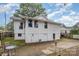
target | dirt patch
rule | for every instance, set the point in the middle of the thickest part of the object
(36, 49)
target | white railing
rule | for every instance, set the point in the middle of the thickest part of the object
(76, 36)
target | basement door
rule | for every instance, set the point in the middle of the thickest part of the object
(54, 36)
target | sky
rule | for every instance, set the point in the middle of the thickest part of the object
(67, 14)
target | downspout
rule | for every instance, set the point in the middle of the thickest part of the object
(24, 26)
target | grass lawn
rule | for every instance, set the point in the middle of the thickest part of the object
(10, 40)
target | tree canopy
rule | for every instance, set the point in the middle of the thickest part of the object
(1, 28)
(30, 9)
(9, 26)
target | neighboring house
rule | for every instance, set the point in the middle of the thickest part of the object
(76, 26)
(36, 29)
(65, 30)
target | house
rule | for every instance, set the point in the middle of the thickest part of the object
(76, 26)
(35, 29)
(65, 30)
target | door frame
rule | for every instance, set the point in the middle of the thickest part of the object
(54, 36)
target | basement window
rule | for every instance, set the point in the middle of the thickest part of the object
(19, 35)
(29, 23)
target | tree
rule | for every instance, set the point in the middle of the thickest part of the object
(9, 26)
(30, 9)
(74, 31)
(1, 28)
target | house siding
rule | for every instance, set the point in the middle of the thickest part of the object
(17, 31)
(40, 34)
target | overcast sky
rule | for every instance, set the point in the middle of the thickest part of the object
(68, 14)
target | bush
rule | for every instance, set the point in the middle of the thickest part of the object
(74, 31)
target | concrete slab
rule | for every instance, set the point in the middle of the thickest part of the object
(67, 45)
(46, 48)
(47, 52)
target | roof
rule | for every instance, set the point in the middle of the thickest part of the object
(39, 18)
(76, 25)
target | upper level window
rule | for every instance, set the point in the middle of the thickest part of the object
(36, 24)
(21, 25)
(29, 23)
(45, 25)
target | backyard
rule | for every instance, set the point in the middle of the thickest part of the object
(65, 47)
(48, 48)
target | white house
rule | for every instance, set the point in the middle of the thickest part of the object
(36, 29)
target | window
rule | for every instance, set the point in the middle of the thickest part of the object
(45, 25)
(36, 24)
(19, 35)
(21, 25)
(29, 23)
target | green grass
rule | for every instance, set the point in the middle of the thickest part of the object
(10, 40)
